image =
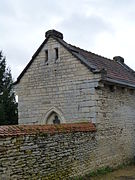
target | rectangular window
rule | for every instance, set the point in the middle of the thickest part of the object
(56, 54)
(46, 55)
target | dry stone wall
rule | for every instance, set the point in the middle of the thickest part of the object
(50, 152)
(47, 152)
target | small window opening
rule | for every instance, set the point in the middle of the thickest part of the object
(123, 90)
(111, 87)
(56, 54)
(56, 120)
(131, 91)
(46, 55)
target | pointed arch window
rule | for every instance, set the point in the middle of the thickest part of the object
(54, 116)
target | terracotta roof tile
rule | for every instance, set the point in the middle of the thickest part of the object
(17, 130)
(115, 70)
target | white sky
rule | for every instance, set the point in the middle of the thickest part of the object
(105, 27)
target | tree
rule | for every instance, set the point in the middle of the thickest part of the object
(8, 105)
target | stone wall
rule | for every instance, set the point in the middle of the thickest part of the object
(64, 84)
(62, 151)
(115, 123)
(47, 152)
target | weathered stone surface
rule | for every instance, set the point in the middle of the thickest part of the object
(57, 156)
(115, 122)
(65, 84)
(69, 87)
(65, 152)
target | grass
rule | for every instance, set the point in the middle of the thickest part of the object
(103, 171)
(98, 172)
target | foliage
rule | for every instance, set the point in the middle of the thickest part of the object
(8, 105)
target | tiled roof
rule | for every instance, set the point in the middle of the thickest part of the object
(116, 72)
(17, 130)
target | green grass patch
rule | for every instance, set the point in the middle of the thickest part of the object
(101, 171)
(98, 172)
(104, 170)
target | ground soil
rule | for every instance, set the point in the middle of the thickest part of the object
(127, 173)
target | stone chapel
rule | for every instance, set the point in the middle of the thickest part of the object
(63, 83)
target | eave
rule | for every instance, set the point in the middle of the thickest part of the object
(120, 83)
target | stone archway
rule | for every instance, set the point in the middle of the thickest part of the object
(54, 116)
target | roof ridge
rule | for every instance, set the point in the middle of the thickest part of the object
(76, 47)
(91, 52)
(96, 63)
(130, 70)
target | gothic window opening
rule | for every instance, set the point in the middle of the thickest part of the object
(54, 116)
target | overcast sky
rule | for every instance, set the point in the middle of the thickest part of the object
(105, 27)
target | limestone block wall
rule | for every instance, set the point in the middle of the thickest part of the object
(115, 123)
(63, 84)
